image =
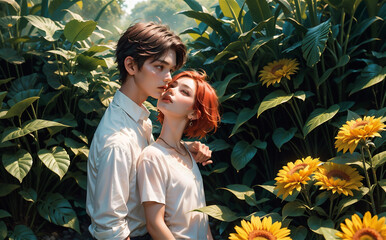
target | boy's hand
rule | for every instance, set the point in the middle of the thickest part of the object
(200, 152)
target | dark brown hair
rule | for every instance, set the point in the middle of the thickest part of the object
(206, 106)
(142, 41)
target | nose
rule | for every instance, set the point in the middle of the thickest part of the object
(168, 77)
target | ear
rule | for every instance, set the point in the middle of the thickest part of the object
(194, 115)
(130, 65)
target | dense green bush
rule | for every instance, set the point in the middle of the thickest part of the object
(336, 54)
(55, 85)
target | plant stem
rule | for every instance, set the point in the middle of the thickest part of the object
(368, 182)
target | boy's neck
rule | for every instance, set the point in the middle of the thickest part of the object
(131, 90)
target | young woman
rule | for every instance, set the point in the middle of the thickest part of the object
(169, 181)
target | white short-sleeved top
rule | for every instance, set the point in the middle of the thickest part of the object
(162, 179)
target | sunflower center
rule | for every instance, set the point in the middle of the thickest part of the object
(367, 234)
(337, 174)
(261, 235)
(297, 168)
(277, 67)
(359, 124)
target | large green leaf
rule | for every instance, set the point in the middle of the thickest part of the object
(2, 96)
(22, 84)
(88, 105)
(22, 232)
(56, 159)
(220, 89)
(56, 209)
(316, 224)
(18, 164)
(13, 3)
(272, 100)
(257, 43)
(240, 191)
(371, 75)
(281, 136)
(57, 8)
(211, 21)
(244, 115)
(47, 27)
(6, 188)
(76, 30)
(194, 5)
(29, 195)
(4, 214)
(90, 63)
(314, 42)
(259, 10)
(232, 49)
(66, 54)
(12, 56)
(229, 6)
(19, 108)
(379, 159)
(219, 212)
(318, 117)
(23, 95)
(293, 209)
(28, 127)
(218, 145)
(242, 153)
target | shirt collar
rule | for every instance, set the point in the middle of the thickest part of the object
(130, 107)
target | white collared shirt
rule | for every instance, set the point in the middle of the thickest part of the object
(113, 201)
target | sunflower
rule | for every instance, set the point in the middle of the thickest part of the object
(338, 178)
(294, 175)
(351, 133)
(371, 228)
(257, 229)
(276, 70)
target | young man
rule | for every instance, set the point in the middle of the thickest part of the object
(147, 54)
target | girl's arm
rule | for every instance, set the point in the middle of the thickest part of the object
(155, 223)
(209, 234)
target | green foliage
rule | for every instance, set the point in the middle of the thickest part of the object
(340, 76)
(55, 85)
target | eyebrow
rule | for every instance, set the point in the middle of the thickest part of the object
(186, 86)
(164, 62)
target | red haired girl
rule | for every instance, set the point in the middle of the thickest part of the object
(169, 180)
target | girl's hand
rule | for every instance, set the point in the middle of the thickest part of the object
(201, 153)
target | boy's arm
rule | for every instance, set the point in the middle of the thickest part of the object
(155, 223)
(111, 194)
(200, 152)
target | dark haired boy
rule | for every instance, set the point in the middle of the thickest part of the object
(147, 54)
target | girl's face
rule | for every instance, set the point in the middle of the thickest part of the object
(179, 98)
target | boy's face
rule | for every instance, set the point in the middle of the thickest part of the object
(155, 74)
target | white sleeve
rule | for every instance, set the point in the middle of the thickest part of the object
(112, 193)
(152, 180)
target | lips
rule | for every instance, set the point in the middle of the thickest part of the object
(163, 88)
(167, 98)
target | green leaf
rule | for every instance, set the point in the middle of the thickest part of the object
(218, 168)
(271, 189)
(57, 160)
(220, 89)
(76, 30)
(379, 159)
(242, 153)
(244, 115)
(370, 76)
(218, 145)
(20, 96)
(80, 178)
(56, 209)
(322, 198)
(227, 6)
(293, 209)
(382, 183)
(211, 21)
(88, 105)
(314, 42)
(2, 96)
(240, 191)
(194, 5)
(318, 117)
(259, 10)
(6, 188)
(3, 230)
(46, 26)
(22, 232)
(350, 201)
(29, 195)
(272, 100)
(90, 63)
(219, 212)
(257, 43)
(316, 224)
(4, 81)
(18, 164)
(12, 56)
(281, 136)
(29, 127)
(4, 214)
(13, 3)
(299, 233)
(66, 54)
(19, 108)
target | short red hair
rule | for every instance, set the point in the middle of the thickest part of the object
(206, 106)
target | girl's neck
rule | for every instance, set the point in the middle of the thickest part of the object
(172, 130)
